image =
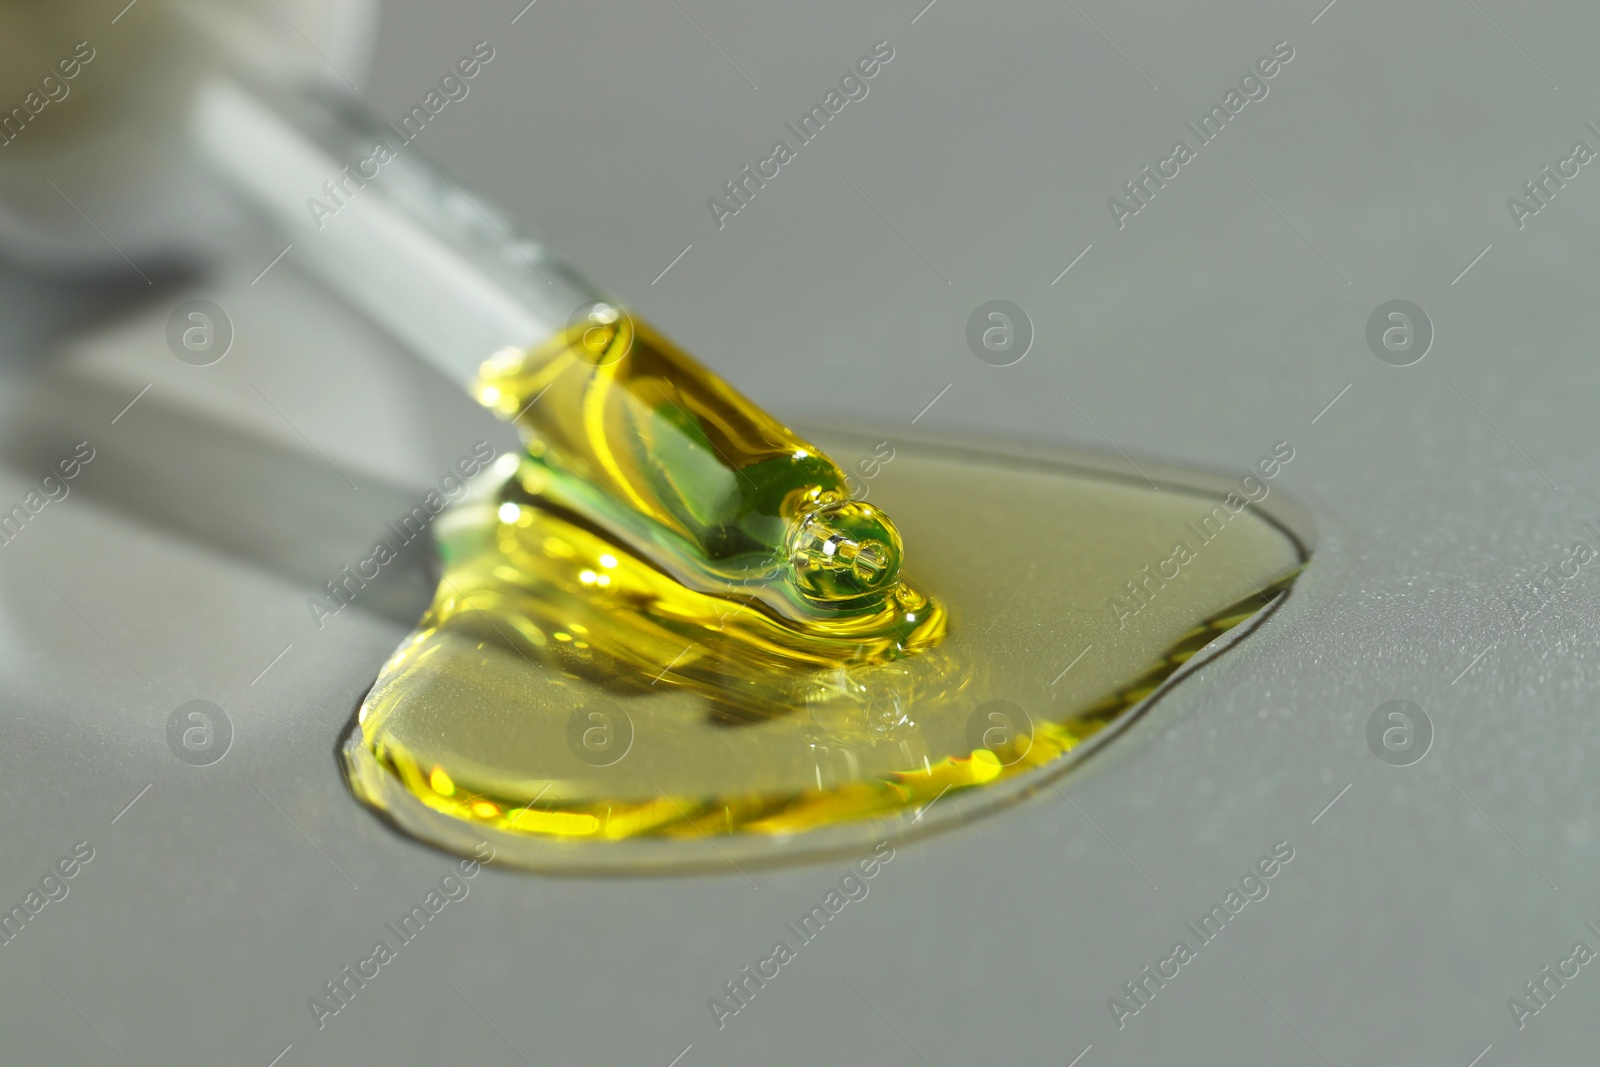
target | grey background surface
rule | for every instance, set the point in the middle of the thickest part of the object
(1224, 317)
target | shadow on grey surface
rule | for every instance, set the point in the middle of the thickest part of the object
(39, 308)
(225, 490)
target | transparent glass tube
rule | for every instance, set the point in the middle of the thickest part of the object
(447, 273)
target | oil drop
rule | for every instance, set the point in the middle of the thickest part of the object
(667, 637)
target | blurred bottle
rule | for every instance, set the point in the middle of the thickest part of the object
(96, 142)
